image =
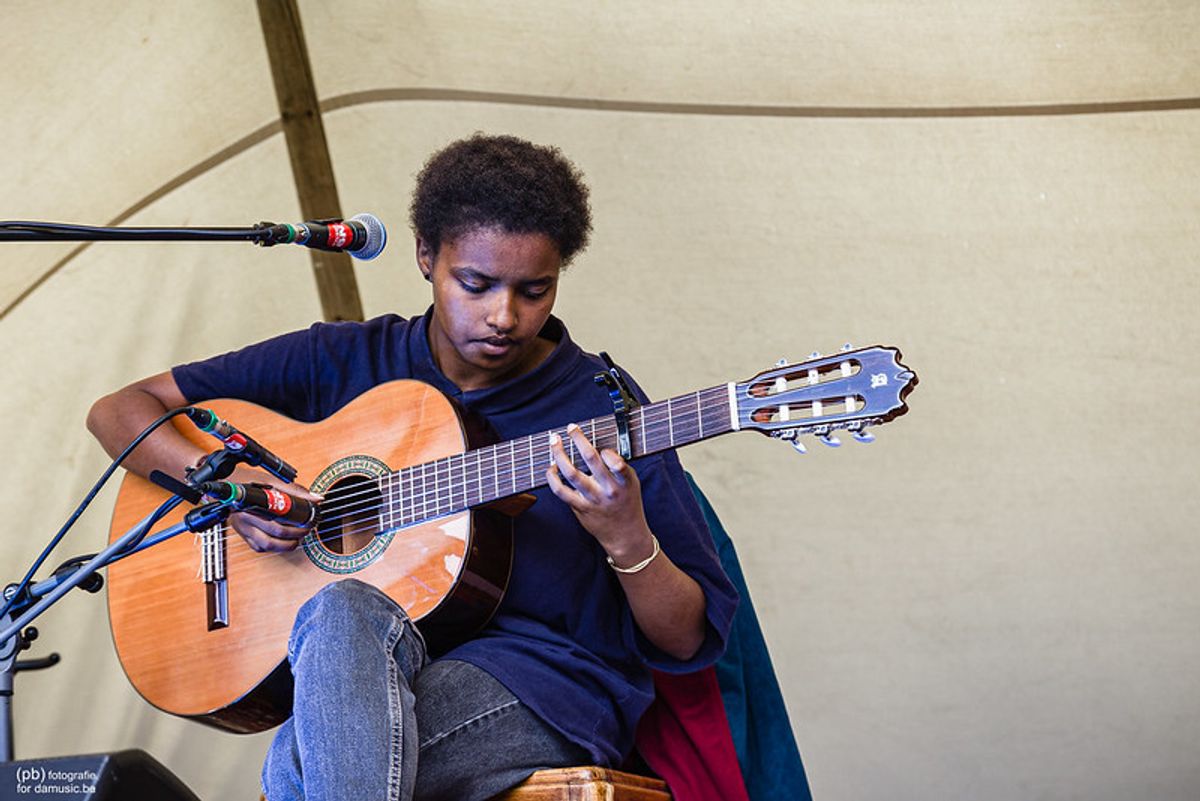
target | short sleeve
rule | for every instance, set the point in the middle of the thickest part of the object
(276, 373)
(306, 375)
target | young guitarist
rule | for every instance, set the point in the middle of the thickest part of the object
(613, 570)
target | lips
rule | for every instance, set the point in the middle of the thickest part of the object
(497, 345)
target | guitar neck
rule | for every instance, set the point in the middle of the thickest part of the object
(478, 477)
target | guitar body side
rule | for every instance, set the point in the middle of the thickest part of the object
(449, 574)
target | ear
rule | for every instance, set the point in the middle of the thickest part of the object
(425, 258)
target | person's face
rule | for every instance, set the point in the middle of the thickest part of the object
(492, 293)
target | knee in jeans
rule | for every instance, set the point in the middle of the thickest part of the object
(348, 598)
(344, 608)
(348, 615)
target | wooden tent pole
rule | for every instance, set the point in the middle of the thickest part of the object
(308, 150)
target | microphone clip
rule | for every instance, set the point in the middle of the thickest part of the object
(270, 234)
(239, 446)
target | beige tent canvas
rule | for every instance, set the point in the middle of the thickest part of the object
(995, 600)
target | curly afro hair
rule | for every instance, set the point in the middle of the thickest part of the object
(501, 182)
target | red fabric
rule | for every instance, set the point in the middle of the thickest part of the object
(684, 736)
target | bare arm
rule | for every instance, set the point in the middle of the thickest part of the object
(667, 604)
(116, 419)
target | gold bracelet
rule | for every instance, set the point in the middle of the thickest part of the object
(640, 566)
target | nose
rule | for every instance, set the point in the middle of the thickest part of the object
(502, 316)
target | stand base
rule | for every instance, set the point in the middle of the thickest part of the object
(130, 775)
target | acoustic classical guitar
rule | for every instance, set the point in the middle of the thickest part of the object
(414, 506)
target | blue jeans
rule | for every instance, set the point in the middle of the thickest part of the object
(372, 718)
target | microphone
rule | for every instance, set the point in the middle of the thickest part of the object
(248, 449)
(362, 236)
(262, 501)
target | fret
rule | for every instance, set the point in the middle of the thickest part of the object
(400, 498)
(408, 487)
(512, 463)
(529, 441)
(432, 483)
(462, 460)
(424, 495)
(479, 492)
(466, 484)
(431, 487)
(438, 478)
(444, 491)
(435, 479)
(670, 425)
(699, 415)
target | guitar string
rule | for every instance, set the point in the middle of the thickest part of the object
(355, 503)
(442, 468)
(350, 503)
(606, 430)
(646, 423)
(646, 426)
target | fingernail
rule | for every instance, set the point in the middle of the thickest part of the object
(555, 438)
(571, 428)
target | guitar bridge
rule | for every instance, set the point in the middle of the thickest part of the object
(212, 545)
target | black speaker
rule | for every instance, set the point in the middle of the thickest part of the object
(120, 776)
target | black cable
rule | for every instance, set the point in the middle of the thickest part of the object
(84, 504)
(34, 231)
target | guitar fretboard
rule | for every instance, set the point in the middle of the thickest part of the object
(477, 477)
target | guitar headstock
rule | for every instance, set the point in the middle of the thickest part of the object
(851, 390)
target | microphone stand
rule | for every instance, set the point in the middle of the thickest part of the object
(40, 596)
(362, 236)
(25, 231)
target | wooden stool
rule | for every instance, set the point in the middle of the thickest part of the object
(587, 784)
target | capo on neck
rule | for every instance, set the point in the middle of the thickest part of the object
(622, 400)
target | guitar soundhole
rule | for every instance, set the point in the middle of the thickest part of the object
(350, 514)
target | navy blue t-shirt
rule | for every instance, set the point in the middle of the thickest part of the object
(563, 640)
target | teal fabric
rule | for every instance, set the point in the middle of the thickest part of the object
(758, 718)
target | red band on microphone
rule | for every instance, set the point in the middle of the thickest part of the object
(278, 502)
(340, 235)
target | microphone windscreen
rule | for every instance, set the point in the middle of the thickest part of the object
(376, 237)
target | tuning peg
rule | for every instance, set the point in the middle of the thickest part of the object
(799, 446)
(864, 436)
(847, 347)
(782, 362)
(831, 441)
(816, 354)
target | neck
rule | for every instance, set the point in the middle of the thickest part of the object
(480, 476)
